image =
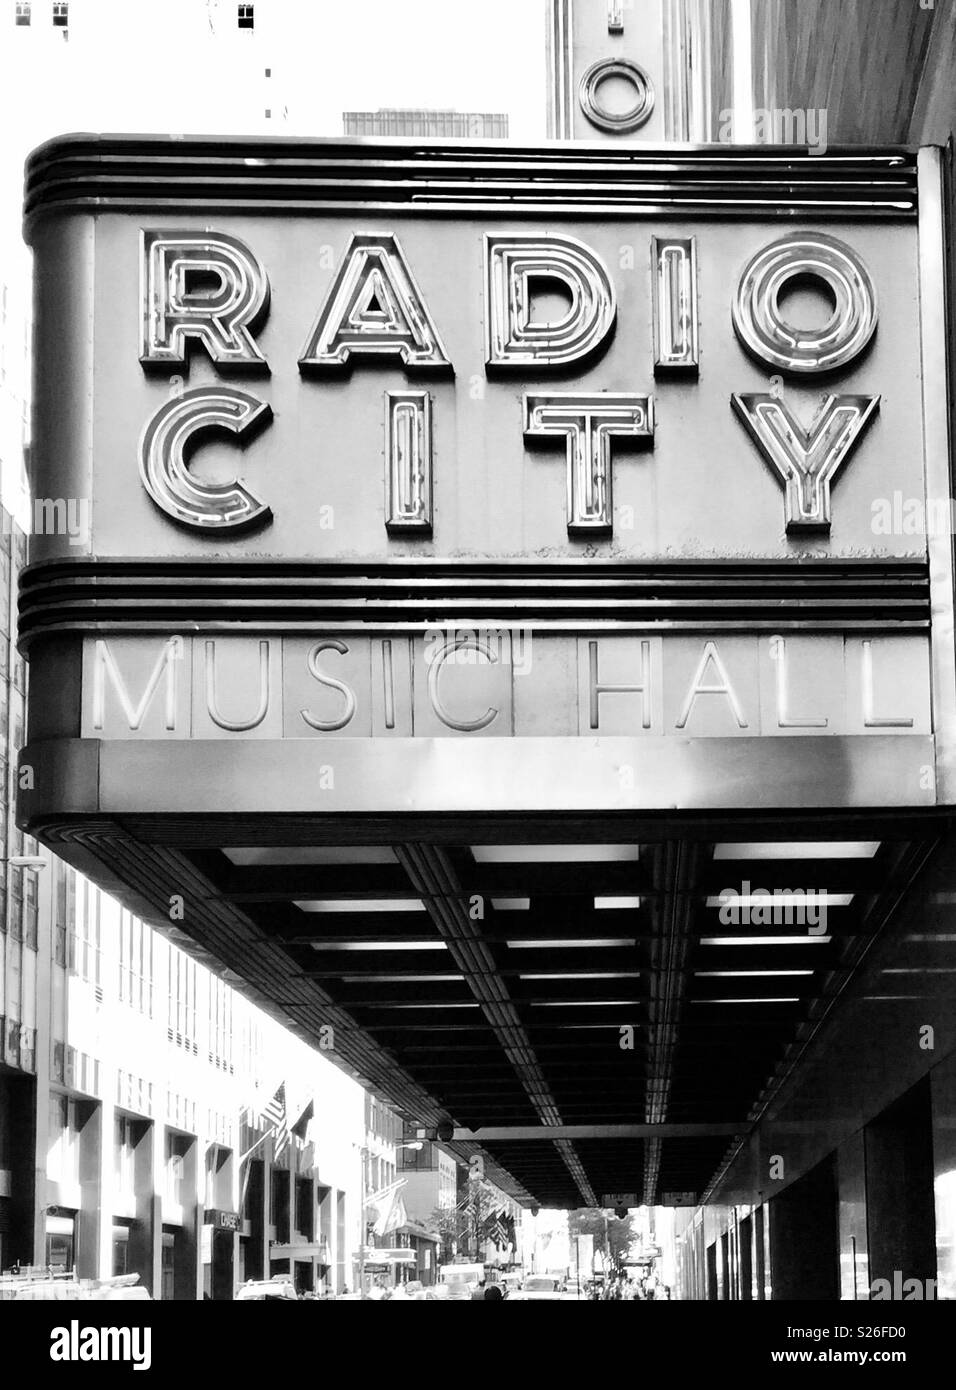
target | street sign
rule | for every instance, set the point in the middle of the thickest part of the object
(678, 1199)
(620, 1199)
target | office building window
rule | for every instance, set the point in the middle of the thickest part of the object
(136, 964)
(246, 16)
(220, 1025)
(181, 1028)
(125, 1156)
(63, 1152)
(64, 908)
(61, 14)
(85, 935)
(15, 887)
(303, 1208)
(30, 909)
(23, 13)
(177, 1147)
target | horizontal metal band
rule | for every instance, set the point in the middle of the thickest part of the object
(82, 778)
(142, 596)
(127, 174)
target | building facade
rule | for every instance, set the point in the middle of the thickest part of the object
(133, 1083)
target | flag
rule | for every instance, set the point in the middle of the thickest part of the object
(306, 1114)
(276, 1118)
(391, 1214)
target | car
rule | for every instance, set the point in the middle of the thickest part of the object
(259, 1290)
(539, 1288)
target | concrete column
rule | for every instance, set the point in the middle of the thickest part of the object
(901, 1225)
(106, 1178)
(43, 1057)
(804, 1251)
(154, 1181)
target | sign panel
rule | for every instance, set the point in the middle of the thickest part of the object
(585, 459)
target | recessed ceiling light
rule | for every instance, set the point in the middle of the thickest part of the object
(763, 940)
(745, 974)
(399, 979)
(424, 945)
(790, 1000)
(417, 1005)
(361, 905)
(783, 899)
(572, 944)
(311, 854)
(617, 902)
(797, 849)
(921, 970)
(554, 854)
(586, 1003)
(589, 975)
(580, 1027)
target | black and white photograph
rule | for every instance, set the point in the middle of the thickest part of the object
(477, 681)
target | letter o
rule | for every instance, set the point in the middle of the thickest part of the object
(764, 331)
(618, 123)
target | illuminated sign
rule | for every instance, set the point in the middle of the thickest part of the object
(375, 311)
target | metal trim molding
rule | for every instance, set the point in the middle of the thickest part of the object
(85, 596)
(120, 173)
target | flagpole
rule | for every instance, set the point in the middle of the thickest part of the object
(362, 1153)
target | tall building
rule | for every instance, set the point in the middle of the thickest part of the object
(450, 125)
(139, 1126)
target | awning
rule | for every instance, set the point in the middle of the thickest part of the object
(419, 1232)
(307, 1250)
(373, 1256)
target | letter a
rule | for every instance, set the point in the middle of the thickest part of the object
(709, 656)
(374, 309)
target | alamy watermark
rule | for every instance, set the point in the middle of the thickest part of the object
(781, 907)
(470, 646)
(781, 126)
(913, 516)
(56, 516)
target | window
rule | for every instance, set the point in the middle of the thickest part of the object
(65, 898)
(85, 937)
(63, 1154)
(136, 964)
(220, 1024)
(30, 909)
(125, 1156)
(181, 1028)
(177, 1147)
(246, 16)
(23, 13)
(16, 900)
(303, 1207)
(61, 14)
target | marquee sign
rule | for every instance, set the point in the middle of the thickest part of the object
(591, 451)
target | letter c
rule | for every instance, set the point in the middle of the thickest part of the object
(464, 726)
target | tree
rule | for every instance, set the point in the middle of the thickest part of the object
(613, 1235)
(466, 1227)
